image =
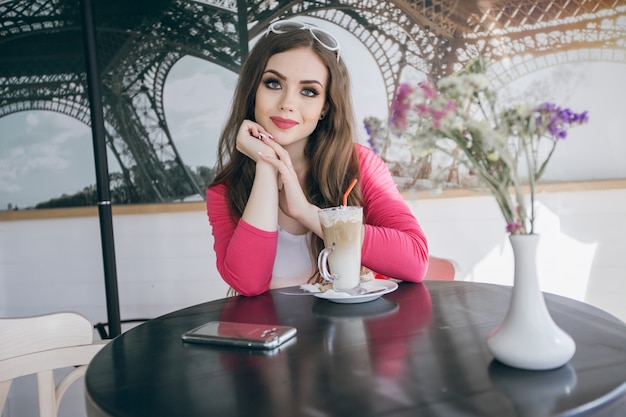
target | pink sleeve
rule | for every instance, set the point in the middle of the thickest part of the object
(245, 255)
(394, 243)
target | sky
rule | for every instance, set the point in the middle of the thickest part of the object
(44, 154)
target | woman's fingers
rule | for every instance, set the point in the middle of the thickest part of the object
(275, 161)
(280, 152)
(248, 140)
(254, 129)
(281, 161)
(287, 180)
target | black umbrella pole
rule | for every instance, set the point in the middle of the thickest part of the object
(110, 270)
(102, 170)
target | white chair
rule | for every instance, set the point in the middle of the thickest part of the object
(39, 345)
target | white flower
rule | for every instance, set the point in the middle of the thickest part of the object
(476, 82)
(459, 124)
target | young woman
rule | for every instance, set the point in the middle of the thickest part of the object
(288, 150)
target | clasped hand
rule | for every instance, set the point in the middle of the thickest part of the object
(258, 144)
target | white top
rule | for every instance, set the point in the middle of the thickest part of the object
(293, 265)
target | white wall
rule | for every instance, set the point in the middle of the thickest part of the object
(582, 254)
(165, 261)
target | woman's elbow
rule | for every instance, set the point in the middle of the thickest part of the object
(420, 270)
(252, 292)
(419, 264)
(244, 285)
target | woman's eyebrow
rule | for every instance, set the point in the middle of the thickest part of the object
(276, 73)
(312, 82)
(282, 77)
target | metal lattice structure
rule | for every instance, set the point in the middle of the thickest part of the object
(139, 41)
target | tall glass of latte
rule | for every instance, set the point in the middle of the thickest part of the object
(342, 229)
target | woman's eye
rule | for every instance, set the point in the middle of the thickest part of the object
(310, 92)
(272, 84)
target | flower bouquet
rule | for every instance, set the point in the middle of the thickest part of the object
(460, 122)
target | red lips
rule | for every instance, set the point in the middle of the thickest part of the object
(283, 123)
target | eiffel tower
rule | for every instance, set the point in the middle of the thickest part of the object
(139, 41)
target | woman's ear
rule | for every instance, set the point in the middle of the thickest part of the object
(324, 111)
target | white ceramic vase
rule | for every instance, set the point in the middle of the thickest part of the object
(528, 338)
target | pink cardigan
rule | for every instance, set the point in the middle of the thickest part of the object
(394, 243)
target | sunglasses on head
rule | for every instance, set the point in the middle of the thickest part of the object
(325, 39)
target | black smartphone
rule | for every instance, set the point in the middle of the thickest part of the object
(247, 335)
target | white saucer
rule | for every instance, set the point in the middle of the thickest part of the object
(344, 298)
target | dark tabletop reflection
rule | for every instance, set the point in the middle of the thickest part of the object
(337, 311)
(332, 361)
(419, 350)
(533, 393)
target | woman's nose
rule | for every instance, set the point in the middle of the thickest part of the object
(287, 102)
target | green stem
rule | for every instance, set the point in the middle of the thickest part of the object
(545, 162)
(499, 188)
(531, 165)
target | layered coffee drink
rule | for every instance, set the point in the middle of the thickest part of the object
(342, 228)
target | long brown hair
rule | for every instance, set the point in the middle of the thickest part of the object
(332, 156)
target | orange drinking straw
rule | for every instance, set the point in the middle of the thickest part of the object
(345, 195)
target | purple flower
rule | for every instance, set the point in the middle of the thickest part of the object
(428, 90)
(514, 227)
(437, 115)
(557, 120)
(371, 144)
(450, 107)
(368, 128)
(422, 110)
(400, 106)
(427, 114)
(372, 128)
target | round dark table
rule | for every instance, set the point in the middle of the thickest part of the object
(419, 351)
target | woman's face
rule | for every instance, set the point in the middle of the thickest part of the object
(292, 95)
